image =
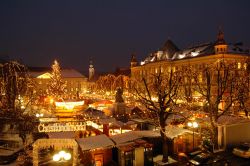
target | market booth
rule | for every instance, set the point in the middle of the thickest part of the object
(98, 148)
(131, 149)
(69, 148)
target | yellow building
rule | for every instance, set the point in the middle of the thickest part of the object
(196, 58)
(170, 57)
(76, 82)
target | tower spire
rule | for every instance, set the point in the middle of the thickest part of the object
(220, 46)
(220, 37)
(91, 70)
(133, 61)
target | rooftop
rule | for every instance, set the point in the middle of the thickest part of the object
(66, 73)
(171, 52)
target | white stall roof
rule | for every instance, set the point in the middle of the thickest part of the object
(174, 131)
(99, 141)
(133, 135)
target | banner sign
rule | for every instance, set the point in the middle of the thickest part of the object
(61, 126)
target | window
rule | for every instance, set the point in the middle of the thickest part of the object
(200, 78)
(245, 66)
(156, 71)
(173, 69)
(99, 159)
(239, 65)
(169, 69)
(148, 156)
(129, 157)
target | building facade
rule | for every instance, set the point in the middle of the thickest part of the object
(197, 56)
(171, 58)
(76, 83)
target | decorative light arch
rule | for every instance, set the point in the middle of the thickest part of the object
(57, 144)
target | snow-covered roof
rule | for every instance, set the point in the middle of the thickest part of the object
(107, 120)
(35, 74)
(173, 131)
(67, 134)
(99, 141)
(228, 119)
(70, 73)
(192, 52)
(91, 112)
(66, 73)
(133, 135)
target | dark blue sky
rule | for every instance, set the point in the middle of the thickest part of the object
(73, 31)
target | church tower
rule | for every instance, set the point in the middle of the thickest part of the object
(133, 61)
(91, 70)
(220, 44)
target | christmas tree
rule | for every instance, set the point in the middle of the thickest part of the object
(57, 85)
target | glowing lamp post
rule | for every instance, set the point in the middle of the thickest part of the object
(62, 156)
(39, 115)
(193, 125)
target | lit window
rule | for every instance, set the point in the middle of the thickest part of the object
(239, 65)
(156, 70)
(245, 66)
(200, 78)
(162, 69)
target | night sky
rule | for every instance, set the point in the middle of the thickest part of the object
(108, 31)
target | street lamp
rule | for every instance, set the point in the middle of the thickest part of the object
(62, 156)
(193, 125)
(39, 115)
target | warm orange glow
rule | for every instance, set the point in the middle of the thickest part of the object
(69, 105)
(51, 101)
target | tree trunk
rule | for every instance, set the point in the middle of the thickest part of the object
(164, 147)
(215, 136)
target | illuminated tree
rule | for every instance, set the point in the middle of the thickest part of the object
(99, 84)
(121, 81)
(105, 83)
(25, 157)
(159, 93)
(108, 82)
(243, 85)
(56, 85)
(16, 96)
(218, 85)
